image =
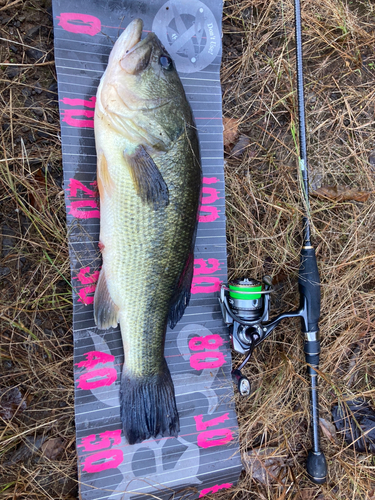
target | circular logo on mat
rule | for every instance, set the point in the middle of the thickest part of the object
(189, 32)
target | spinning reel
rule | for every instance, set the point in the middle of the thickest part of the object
(245, 305)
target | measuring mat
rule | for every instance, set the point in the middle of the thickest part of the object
(205, 457)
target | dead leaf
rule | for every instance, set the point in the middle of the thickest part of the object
(11, 400)
(355, 421)
(39, 181)
(53, 448)
(340, 193)
(230, 130)
(307, 494)
(266, 465)
(328, 429)
(280, 277)
(240, 146)
(26, 450)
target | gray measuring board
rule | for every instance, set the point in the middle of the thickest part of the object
(205, 457)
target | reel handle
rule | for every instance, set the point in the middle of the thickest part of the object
(243, 383)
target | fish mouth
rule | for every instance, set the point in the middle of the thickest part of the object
(132, 35)
(129, 40)
(136, 53)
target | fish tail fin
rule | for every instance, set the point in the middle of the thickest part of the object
(148, 406)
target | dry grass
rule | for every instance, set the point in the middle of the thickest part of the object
(264, 224)
(35, 303)
(264, 235)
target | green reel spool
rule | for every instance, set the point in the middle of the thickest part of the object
(245, 285)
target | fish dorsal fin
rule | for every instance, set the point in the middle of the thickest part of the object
(105, 181)
(181, 296)
(105, 310)
(148, 181)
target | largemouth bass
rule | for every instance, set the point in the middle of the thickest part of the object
(149, 180)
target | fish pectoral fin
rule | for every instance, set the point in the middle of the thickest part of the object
(105, 310)
(148, 181)
(181, 297)
(104, 179)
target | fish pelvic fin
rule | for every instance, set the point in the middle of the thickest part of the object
(148, 181)
(106, 312)
(181, 297)
(148, 406)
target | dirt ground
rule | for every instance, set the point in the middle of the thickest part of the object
(37, 454)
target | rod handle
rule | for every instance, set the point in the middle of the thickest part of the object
(309, 289)
(316, 467)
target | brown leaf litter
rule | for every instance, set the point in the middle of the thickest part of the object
(341, 193)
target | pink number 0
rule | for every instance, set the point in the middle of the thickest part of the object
(209, 213)
(215, 437)
(215, 489)
(198, 361)
(106, 377)
(109, 459)
(113, 459)
(79, 23)
(202, 360)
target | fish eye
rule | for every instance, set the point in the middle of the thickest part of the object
(166, 62)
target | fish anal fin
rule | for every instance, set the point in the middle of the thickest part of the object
(181, 297)
(148, 181)
(105, 181)
(105, 310)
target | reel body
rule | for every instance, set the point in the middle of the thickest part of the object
(245, 307)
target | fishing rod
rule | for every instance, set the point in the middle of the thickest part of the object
(245, 303)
